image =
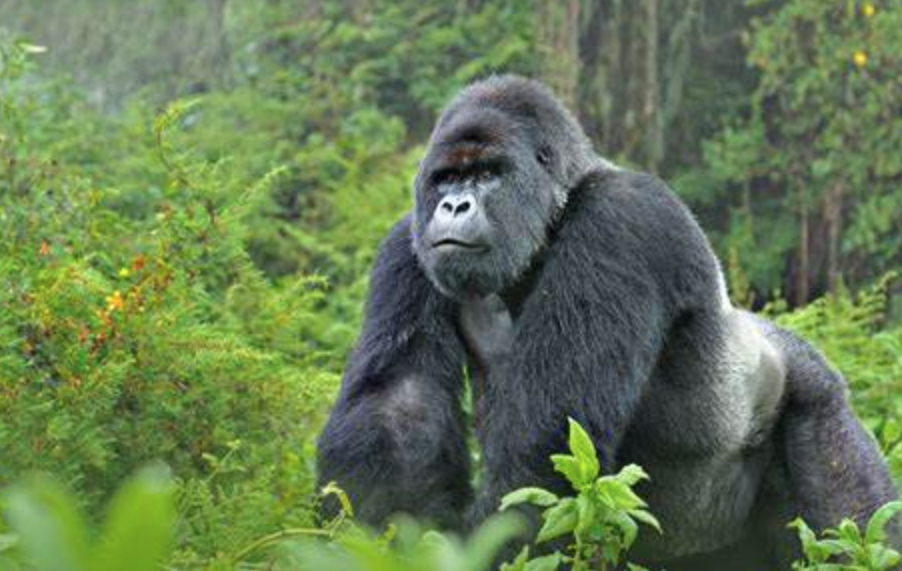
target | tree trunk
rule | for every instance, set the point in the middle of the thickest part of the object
(558, 25)
(222, 51)
(804, 267)
(654, 138)
(833, 216)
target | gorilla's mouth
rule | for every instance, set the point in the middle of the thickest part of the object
(456, 244)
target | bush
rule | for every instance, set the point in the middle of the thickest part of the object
(132, 334)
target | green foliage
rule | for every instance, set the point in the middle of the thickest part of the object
(52, 535)
(814, 165)
(48, 532)
(134, 327)
(859, 551)
(602, 519)
(368, 86)
(406, 547)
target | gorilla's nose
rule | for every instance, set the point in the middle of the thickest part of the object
(455, 207)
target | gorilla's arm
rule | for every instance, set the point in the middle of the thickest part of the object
(395, 441)
(835, 468)
(590, 332)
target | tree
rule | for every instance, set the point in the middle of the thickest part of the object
(814, 172)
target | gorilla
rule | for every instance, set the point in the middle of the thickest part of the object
(564, 286)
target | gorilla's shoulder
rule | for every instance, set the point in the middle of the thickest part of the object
(634, 220)
(396, 261)
(621, 183)
(398, 243)
(615, 194)
(399, 291)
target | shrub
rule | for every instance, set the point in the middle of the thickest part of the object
(133, 334)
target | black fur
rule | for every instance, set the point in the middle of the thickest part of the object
(589, 292)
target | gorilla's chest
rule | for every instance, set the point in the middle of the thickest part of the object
(487, 328)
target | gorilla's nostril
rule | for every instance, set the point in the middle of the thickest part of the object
(462, 207)
(446, 206)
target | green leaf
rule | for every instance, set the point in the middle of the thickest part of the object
(138, 531)
(583, 449)
(646, 518)
(524, 563)
(546, 563)
(587, 515)
(52, 531)
(848, 531)
(622, 496)
(627, 527)
(806, 535)
(488, 540)
(32, 48)
(569, 466)
(559, 520)
(535, 496)
(8, 541)
(876, 530)
(882, 557)
(632, 474)
(610, 551)
(518, 564)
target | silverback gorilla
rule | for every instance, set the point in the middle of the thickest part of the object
(566, 286)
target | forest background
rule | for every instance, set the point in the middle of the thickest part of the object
(192, 191)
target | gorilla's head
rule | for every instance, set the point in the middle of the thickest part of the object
(500, 164)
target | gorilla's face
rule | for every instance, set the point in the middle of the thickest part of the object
(485, 200)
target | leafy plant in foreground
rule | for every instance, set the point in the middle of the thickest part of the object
(51, 533)
(48, 533)
(603, 518)
(406, 546)
(861, 552)
(602, 522)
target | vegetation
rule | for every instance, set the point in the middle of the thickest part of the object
(191, 193)
(603, 519)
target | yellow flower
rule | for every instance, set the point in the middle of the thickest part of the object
(868, 10)
(860, 58)
(124, 273)
(115, 301)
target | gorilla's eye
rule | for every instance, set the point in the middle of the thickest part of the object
(480, 172)
(486, 174)
(444, 176)
(489, 170)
